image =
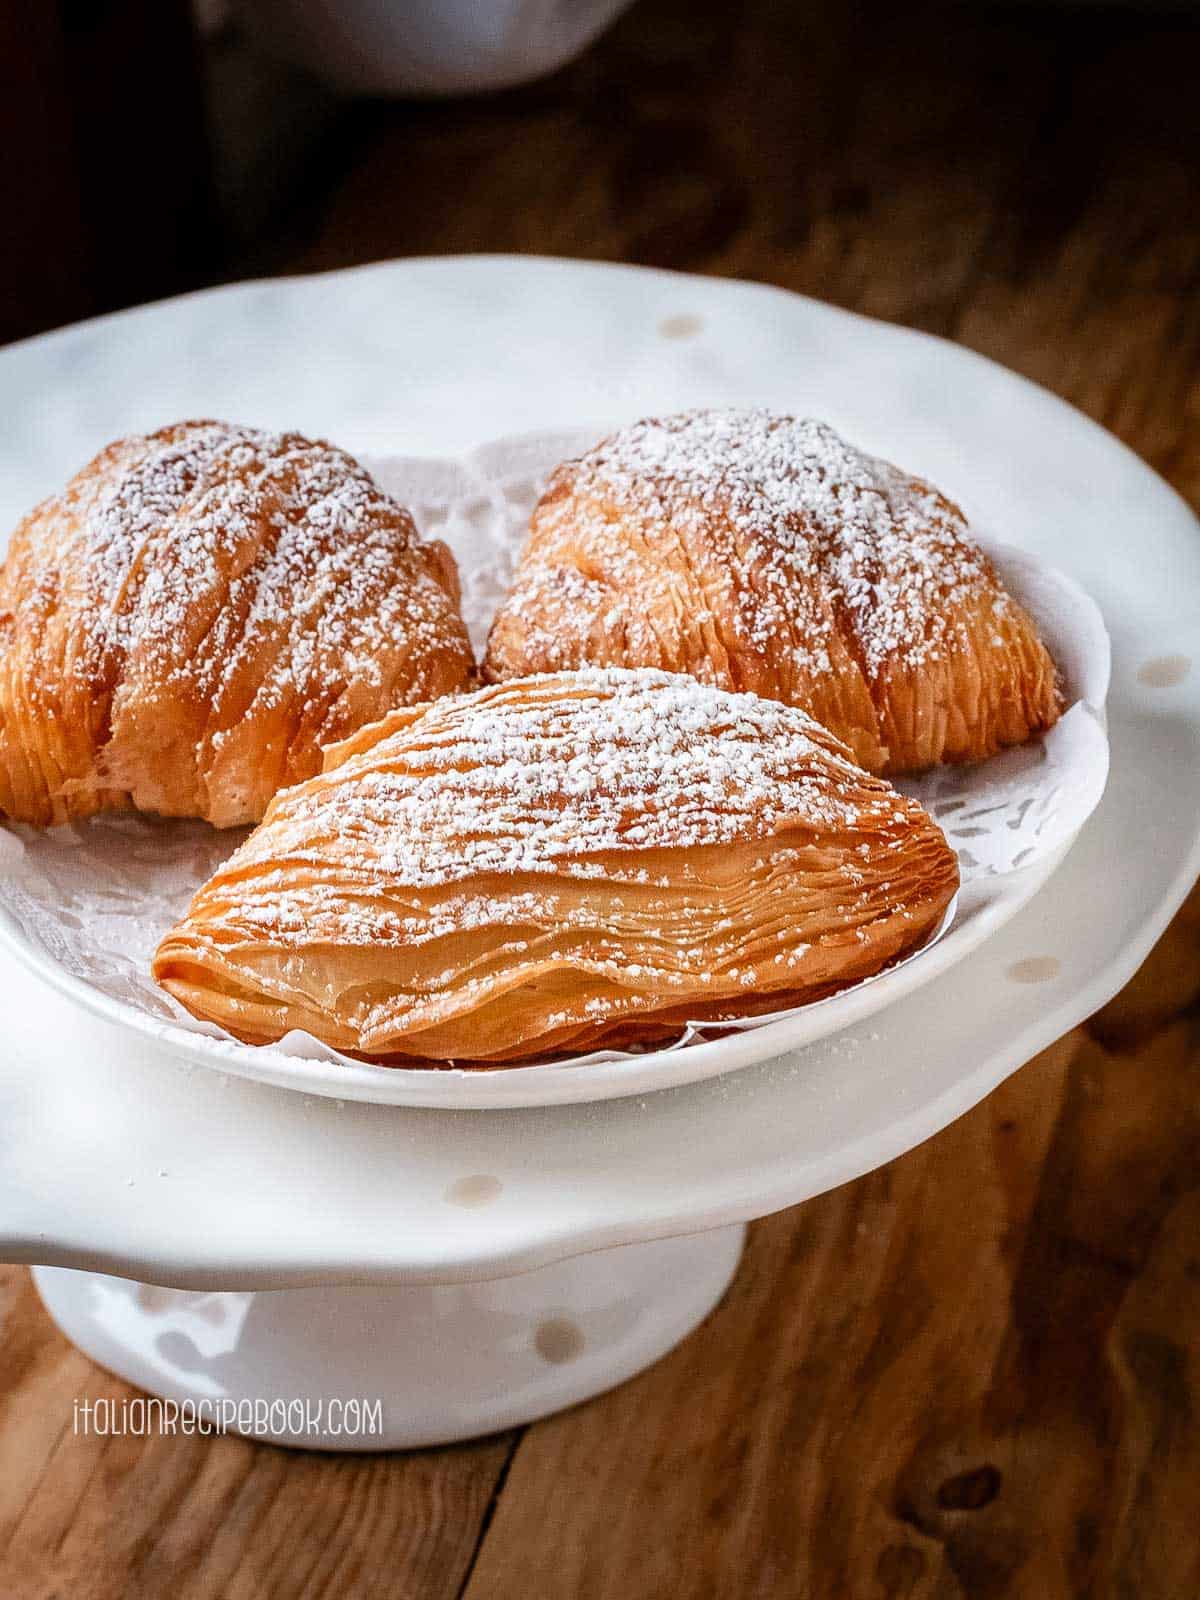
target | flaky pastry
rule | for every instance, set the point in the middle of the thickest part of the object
(764, 553)
(198, 612)
(559, 863)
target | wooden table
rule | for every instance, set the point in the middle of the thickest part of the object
(977, 1371)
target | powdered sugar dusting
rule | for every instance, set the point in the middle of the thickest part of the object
(827, 531)
(563, 770)
(201, 609)
(288, 535)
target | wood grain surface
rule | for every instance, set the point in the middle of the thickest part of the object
(977, 1371)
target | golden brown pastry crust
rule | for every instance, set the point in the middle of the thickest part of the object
(198, 612)
(557, 864)
(763, 553)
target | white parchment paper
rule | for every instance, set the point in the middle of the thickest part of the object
(98, 896)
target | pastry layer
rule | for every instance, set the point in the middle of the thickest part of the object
(764, 553)
(555, 864)
(198, 612)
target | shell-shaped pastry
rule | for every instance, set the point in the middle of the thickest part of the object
(556, 864)
(198, 612)
(764, 553)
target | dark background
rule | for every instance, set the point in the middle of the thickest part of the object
(975, 1372)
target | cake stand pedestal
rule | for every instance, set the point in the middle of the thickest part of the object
(381, 1369)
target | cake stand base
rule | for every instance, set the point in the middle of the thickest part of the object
(390, 1368)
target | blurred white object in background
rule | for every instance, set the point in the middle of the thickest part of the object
(426, 47)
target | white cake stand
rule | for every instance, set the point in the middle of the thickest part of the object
(474, 1269)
